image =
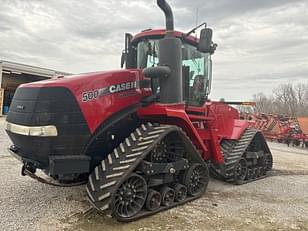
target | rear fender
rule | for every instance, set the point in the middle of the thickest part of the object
(226, 120)
(174, 115)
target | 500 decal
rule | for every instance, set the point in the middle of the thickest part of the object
(89, 95)
(94, 94)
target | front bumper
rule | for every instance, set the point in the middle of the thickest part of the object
(57, 165)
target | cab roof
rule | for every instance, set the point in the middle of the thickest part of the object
(159, 33)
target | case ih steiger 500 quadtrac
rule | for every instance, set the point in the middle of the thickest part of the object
(144, 138)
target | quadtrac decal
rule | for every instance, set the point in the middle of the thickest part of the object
(115, 88)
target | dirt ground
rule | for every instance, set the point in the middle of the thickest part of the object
(279, 202)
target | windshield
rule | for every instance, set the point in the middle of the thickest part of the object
(147, 53)
(196, 69)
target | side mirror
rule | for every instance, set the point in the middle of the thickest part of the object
(123, 58)
(205, 40)
(126, 53)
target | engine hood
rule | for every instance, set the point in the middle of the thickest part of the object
(83, 79)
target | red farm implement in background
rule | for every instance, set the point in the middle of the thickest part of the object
(289, 130)
(302, 135)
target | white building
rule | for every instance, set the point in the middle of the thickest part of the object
(13, 74)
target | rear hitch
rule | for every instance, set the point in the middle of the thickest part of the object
(14, 148)
(26, 168)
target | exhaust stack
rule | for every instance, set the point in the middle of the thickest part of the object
(170, 55)
(165, 7)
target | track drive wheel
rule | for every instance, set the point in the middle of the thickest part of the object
(196, 179)
(130, 197)
(158, 154)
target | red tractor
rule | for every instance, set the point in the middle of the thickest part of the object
(144, 138)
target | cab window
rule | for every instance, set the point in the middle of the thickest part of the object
(195, 69)
(195, 75)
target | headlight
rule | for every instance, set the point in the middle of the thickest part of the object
(43, 131)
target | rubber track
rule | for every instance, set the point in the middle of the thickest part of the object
(108, 176)
(233, 151)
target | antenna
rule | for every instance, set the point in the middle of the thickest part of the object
(197, 15)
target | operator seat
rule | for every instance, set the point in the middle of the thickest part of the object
(198, 86)
(197, 91)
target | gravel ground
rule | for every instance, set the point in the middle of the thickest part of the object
(279, 202)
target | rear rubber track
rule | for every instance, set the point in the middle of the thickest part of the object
(245, 160)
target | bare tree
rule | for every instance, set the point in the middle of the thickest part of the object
(287, 99)
(301, 91)
(263, 103)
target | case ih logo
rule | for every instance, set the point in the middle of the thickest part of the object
(92, 95)
(20, 107)
(122, 87)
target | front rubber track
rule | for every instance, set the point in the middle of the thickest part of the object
(108, 176)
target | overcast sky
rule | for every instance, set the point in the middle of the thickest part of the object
(261, 43)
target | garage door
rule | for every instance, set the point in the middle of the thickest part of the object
(1, 100)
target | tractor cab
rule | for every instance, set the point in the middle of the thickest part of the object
(142, 51)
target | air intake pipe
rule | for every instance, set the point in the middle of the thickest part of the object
(170, 56)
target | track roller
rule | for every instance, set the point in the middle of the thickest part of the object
(240, 170)
(180, 192)
(168, 195)
(153, 200)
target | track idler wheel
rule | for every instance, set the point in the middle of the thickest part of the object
(240, 171)
(180, 192)
(168, 195)
(130, 197)
(153, 200)
(196, 179)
